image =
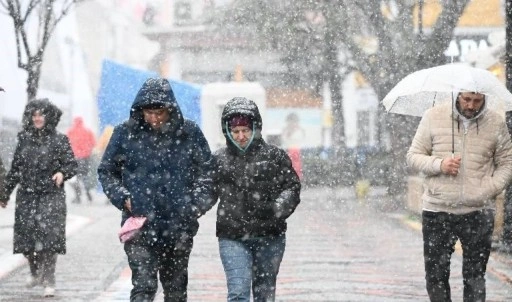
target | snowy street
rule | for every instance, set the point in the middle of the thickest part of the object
(338, 249)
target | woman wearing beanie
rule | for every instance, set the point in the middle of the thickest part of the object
(258, 189)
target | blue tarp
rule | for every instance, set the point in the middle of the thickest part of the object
(120, 84)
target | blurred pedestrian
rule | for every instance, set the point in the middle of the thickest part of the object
(42, 161)
(258, 189)
(465, 152)
(2, 175)
(292, 138)
(82, 142)
(157, 165)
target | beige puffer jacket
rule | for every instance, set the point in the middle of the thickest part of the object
(486, 166)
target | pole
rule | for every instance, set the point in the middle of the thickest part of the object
(420, 17)
(507, 215)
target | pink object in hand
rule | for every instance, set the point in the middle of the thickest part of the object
(130, 228)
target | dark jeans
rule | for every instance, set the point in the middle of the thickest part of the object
(170, 262)
(440, 233)
(42, 267)
(254, 260)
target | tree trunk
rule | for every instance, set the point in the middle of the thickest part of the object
(334, 80)
(507, 217)
(34, 74)
(338, 127)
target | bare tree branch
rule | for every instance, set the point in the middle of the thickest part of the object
(30, 53)
(48, 27)
(441, 35)
(31, 6)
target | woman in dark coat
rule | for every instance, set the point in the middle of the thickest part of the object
(42, 161)
(258, 189)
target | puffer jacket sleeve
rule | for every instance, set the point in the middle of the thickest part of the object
(110, 170)
(419, 155)
(289, 198)
(502, 159)
(203, 196)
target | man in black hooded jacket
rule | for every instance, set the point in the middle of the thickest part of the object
(258, 189)
(157, 165)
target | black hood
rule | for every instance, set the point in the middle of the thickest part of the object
(51, 112)
(241, 106)
(156, 92)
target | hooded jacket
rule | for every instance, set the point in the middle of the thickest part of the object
(164, 172)
(257, 188)
(40, 153)
(484, 145)
(40, 214)
(82, 140)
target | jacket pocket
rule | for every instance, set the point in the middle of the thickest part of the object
(478, 191)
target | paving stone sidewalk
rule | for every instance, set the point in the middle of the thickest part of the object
(338, 249)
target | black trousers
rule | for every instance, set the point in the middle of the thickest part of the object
(170, 262)
(42, 266)
(507, 219)
(440, 233)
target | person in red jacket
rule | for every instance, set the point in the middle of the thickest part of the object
(82, 142)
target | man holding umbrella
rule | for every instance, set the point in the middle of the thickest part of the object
(464, 150)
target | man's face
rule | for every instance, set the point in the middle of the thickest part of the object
(156, 117)
(470, 103)
(241, 135)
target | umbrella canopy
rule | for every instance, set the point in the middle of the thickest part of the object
(425, 88)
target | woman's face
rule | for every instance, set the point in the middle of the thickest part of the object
(38, 119)
(241, 135)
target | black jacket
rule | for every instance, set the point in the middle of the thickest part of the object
(258, 189)
(40, 214)
(164, 172)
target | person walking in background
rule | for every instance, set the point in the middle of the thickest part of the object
(42, 161)
(258, 189)
(82, 142)
(292, 138)
(157, 165)
(460, 188)
(2, 175)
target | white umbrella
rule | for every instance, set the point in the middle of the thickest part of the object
(425, 88)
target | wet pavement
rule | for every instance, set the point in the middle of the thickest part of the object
(338, 249)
